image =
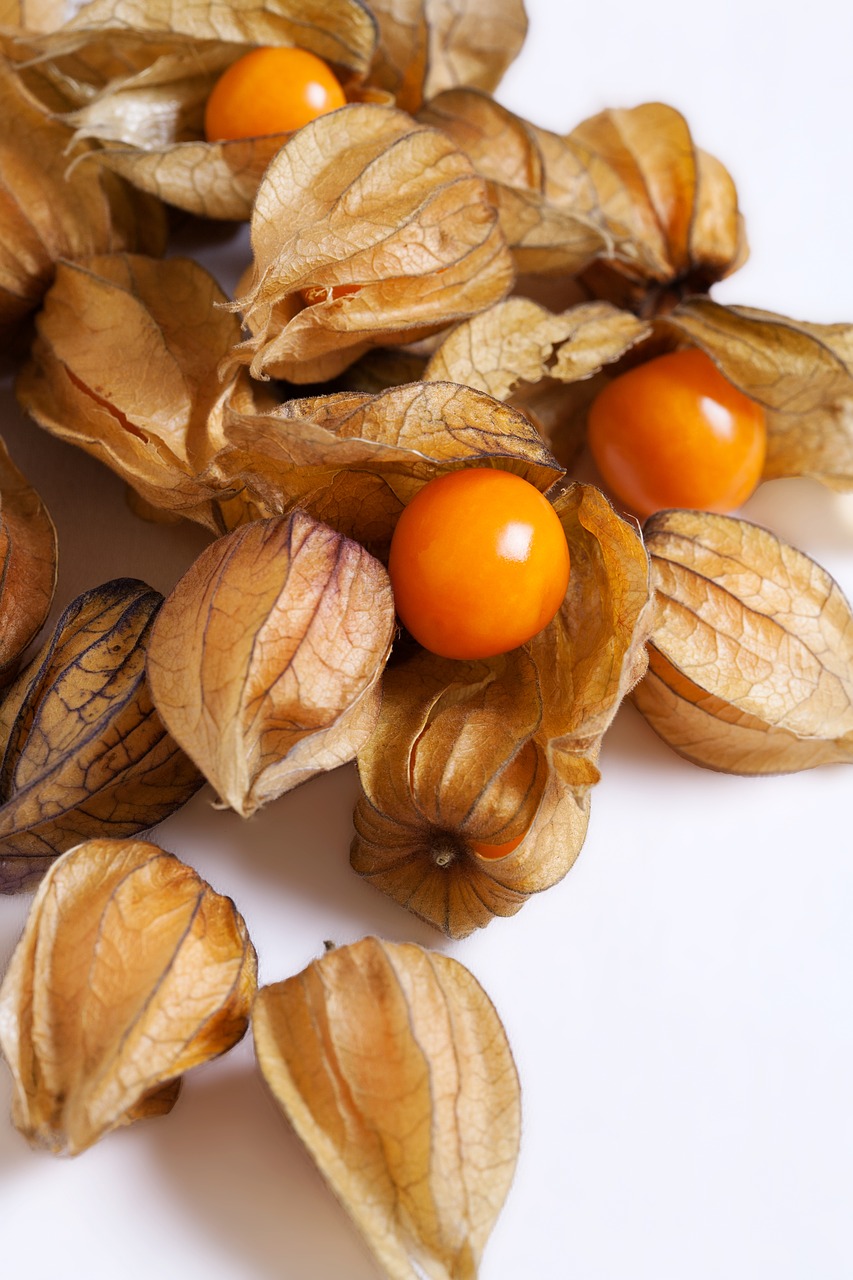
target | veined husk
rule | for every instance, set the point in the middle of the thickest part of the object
(52, 209)
(83, 753)
(801, 373)
(488, 751)
(365, 200)
(34, 15)
(266, 658)
(751, 657)
(27, 564)
(130, 971)
(125, 366)
(354, 460)
(394, 1069)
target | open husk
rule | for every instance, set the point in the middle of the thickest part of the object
(130, 971)
(27, 564)
(266, 658)
(368, 230)
(507, 747)
(394, 1069)
(83, 753)
(751, 658)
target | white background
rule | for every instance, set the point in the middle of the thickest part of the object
(679, 1006)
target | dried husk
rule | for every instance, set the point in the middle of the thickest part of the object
(802, 374)
(394, 1069)
(266, 658)
(27, 564)
(34, 15)
(751, 658)
(125, 366)
(488, 751)
(130, 971)
(365, 201)
(51, 210)
(83, 753)
(670, 208)
(426, 46)
(354, 460)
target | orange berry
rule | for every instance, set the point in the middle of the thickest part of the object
(479, 563)
(675, 433)
(496, 850)
(270, 90)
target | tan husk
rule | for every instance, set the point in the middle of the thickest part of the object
(488, 751)
(34, 15)
(266, 658)
(27, 564)
(801, 373)
(130, 971)
(83, 753)
(50, 211)
(394, 1069)
(354, 460)
(365, 200)
(125, 366)
(751, 658)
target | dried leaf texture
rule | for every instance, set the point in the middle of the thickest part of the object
(354, 460)
(394, 1069)
(27, 564)
(125, 366)
(34, 15)
(426, 46)
(130, 971)
(670, 208)
(801, 373)
(49, 210)
(266, 658)
(368, 230)
(751, 659)
(470, 753)
(84, 753)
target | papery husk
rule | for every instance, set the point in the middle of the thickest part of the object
(130, 971)
(27, 564)
(751, 658)
(34, 15)
(488, 751)
(426, 46)
(354, 460)
(802, 375)
(395, 1071)
(365, 199)
(671, 208)
(83, 753)
(266, 658)
(50, 209)
(125, 366)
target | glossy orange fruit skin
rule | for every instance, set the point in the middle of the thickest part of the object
(496, 850)
(270, 90)
(675, 433)
(479, 563)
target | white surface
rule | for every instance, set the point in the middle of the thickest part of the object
(680, 1005)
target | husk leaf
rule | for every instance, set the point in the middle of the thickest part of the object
(27, 564)
(394, 1069)
(751, 658)
(266, 658)
(83, 753)
(130, 971)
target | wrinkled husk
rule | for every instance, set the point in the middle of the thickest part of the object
(51, 210)
(489, 750)
(394, 1069)
(27, 564)
(125, 366)
(130, 971)
(83, 753)
(365, 200)
(802, 374)
(266, 658)
(354, 460)
(751, 658)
